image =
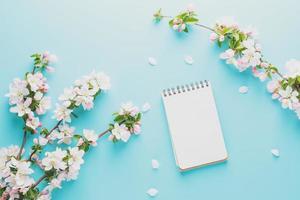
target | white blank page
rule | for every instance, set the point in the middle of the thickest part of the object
(194, 126)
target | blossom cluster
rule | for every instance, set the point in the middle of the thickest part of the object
(127, 122)
(15, 174)
(27, 97)
(64, 165)
(28, 100)
(181, 22)
(82, 94)
(243, 51)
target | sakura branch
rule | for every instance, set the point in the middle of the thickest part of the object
(28, 101)
(243, 51)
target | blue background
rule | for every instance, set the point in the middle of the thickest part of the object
(117, 37)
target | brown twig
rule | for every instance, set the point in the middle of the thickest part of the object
(103, 133)
(30, 157)
(22, 145)
(279, 74)
(54, 128)
(39, 181)
(205, 27)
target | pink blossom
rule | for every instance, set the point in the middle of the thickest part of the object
(50, 69)
(213, 37)
(191, 8)
(137, 128)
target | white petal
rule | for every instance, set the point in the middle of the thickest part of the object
(155, 164)
(188, 60)
(243, 89)
(152, 61)
(275, 152)
(146, 107)
(152, 192)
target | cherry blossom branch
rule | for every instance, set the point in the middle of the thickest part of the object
(27, 100)
(244, 52)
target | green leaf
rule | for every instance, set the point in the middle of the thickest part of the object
(291, 81)
(171, 22)
(1, 191)
(236, 36)
(138, 117)
(31, 194)
(191, 20)
(182, 15)
(157, 15)
(44, 131)
(119, 118)
(77, 136)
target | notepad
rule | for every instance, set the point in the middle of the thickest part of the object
(194, 125)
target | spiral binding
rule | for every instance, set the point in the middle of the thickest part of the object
(185, 88)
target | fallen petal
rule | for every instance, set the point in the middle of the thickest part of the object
(188, 60)
(155, 164)
(146, 107)
(243, 89)
(275, 152)
(152, 192)
(152, 61)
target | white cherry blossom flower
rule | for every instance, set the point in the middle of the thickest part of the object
(62, 113)
(178, 25)
(41, 141)
(121, 132)
(55, 160)
(293, 68)
(64, 134)
(22, 108)
(227, 21)
(44, 105)
(250, 31)
(103, 81)
(288, 97)
(20, 179)
(48, 57)
(55, 183)
(38, 95)
(273, 87)
(68, 94)
(228, 55)
(17, 91)
(128, 108)
(90, 136)
(33, 122)
(75, 159)
(36, 81)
